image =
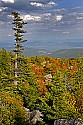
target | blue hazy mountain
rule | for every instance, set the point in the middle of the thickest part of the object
(67, 53)
(56, 45)
(62, 53)
(58, 48)
(47, 45)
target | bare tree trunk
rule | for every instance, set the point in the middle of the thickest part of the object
(16, 68)
(16, 65)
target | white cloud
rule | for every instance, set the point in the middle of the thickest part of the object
(9, 16)
(65, 32)
(59, 17)
(52, 3)
(76, 7)
(9, 35)
(47, 14)
(79, 18)
(1, 23)
(56, 30)
(3, 8)
(8, 1)
(36, 4)
(34, 17)
(30, 18)
(59, 10)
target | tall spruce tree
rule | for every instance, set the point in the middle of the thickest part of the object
(18, 28)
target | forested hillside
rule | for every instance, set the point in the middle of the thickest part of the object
(68, 53)
(62, 53)
(52, 85)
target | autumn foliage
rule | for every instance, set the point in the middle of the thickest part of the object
(53, 85)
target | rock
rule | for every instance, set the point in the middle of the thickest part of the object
(70, 121)
(33, 117)
(48, 78)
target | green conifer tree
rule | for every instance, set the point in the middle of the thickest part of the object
(18, 28)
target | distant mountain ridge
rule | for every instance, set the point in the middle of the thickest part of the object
(52, 45)
(68, 48)
(62, 53)
(56, 45)
(68, 53)
(36, 52)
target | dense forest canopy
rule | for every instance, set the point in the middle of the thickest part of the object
(53, 85)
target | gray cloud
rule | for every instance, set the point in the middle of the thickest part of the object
(42, 15)
(41, 1)
(8, 1)
(23, 4)
(26, 6)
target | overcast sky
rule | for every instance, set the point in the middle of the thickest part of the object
(47, 20)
